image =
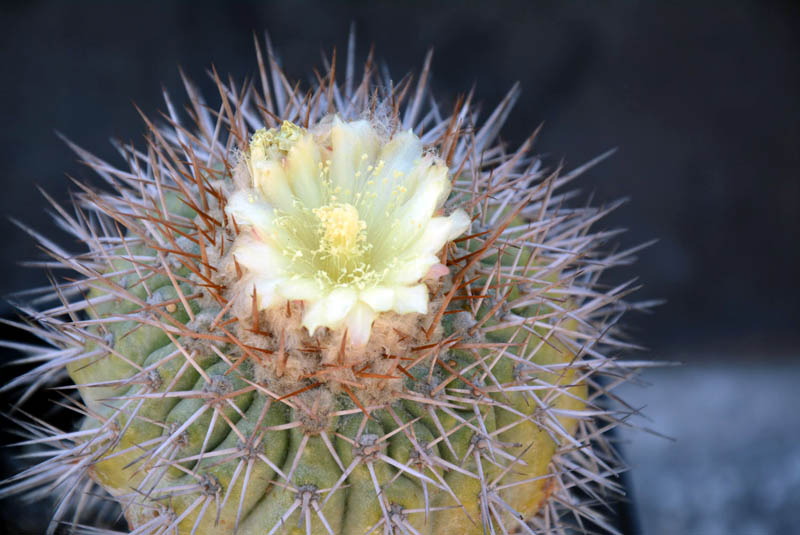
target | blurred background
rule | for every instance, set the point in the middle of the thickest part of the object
(701, 99)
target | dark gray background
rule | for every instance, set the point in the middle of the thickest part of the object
(701, 99)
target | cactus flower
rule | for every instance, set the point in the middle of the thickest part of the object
(344, 219)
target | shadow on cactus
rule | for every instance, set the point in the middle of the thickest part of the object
(333, 310)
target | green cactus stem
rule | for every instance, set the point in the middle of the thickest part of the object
(337, 310)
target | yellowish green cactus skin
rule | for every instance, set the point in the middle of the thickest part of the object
(344, 313)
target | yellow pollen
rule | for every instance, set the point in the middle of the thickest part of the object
(342, 231)
(274, 143)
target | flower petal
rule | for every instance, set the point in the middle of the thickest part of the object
(398, 177)
(459, 223)
(354, 146)
(248, 209)
(330, 310)
(265, 293)
(359, 324)
(413, 215)
(270, 179)
(439, 231)
(411, 299)
(436, 272)
(379, 298)
(302, 168)
(259, 258)
(300, 288)
(411, 270)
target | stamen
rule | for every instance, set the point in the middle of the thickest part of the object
(343, 231)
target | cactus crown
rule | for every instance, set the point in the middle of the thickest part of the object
(336, 311)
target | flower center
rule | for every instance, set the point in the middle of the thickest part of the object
(343, 233)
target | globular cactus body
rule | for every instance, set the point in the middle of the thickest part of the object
(338, 312)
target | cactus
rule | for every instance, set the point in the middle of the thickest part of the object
(339, 310)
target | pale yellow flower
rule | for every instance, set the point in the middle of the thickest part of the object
(343, 218)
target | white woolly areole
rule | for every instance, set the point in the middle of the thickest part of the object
(342, 218)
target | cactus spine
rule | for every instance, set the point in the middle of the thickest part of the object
(334, 311)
